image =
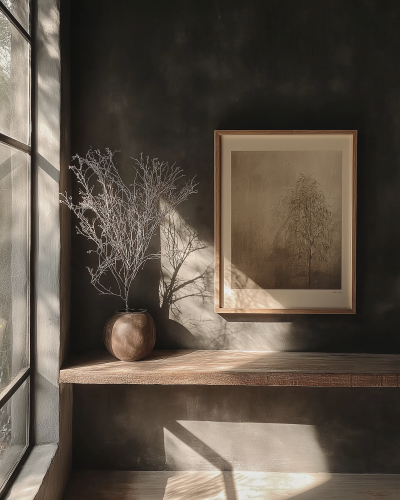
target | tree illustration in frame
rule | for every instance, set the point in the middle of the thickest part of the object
(306, 220)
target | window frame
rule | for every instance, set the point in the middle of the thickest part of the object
(28, 372)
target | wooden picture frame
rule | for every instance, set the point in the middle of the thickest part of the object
(285, 221)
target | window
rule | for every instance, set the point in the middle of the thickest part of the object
(16, 142)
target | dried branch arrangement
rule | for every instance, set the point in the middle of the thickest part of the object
(120, 220)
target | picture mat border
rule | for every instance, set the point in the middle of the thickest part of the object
(350, 190)
(285, 298)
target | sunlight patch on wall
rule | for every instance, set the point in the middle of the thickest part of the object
(204, 445)
(194, 309)
(236, 298)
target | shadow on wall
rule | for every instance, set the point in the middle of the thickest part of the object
(187, 319)
(195, 325)
(175, 434)
(276, 429)
(182, 446)
(234, 485)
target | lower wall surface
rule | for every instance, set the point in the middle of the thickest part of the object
(289, 429)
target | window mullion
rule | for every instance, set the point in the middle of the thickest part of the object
(13, 386)
(14, 143)
(15, 23)
(33, 215)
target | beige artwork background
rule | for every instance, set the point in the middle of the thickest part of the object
(259, 181)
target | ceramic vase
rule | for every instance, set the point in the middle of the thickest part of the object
(130, 335)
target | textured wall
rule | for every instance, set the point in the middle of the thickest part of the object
(280, 429)
(159, 78)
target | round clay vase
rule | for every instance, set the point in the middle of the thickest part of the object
(130, 335)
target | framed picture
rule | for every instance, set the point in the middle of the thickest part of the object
(285, 221)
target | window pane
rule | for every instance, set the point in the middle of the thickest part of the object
(20, 10)
(14, 262)
(14, 422)
(14, 82)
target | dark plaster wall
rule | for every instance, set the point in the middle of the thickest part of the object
(281, 429)
(159, 77)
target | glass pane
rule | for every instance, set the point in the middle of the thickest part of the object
(20, 10)
(14, 422)
(14, 82)
(14, 262)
